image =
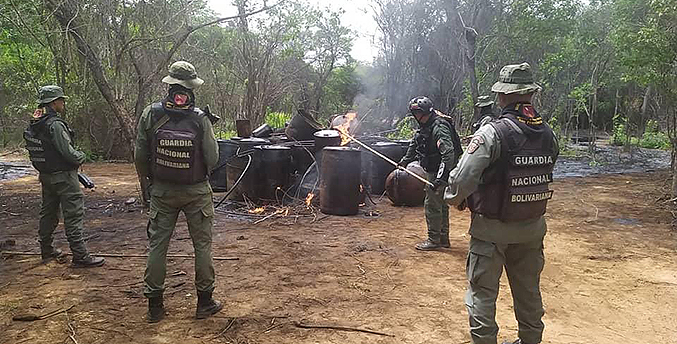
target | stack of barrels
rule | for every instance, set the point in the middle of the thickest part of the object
(260, 170)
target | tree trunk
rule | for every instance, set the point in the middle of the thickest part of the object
(643, 111)
(69, 21)
(674, 169)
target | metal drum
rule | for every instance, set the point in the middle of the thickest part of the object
(227, 148)
(302, 156)
(404, 144)
(379, 169)
(302, 126)
(326, 138)
(263, 131)
(403, 189)
(340, 181)
(251, 182)
(275, 170)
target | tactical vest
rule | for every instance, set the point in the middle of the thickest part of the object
(176, 146)
(41, 150)
(427, 152)
(515, 186)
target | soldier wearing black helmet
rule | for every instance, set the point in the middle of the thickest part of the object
(437, 147)
(49, 142)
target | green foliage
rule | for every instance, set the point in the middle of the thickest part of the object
(619, 136)
(405, 129)
(277, 119)
(653, 138)
(224, 134)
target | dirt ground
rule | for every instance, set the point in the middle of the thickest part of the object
(610, 275)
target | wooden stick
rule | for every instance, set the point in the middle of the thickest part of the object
(225, 329)
(33, 317)
(342, 328)
(119, 255)
(425, 181)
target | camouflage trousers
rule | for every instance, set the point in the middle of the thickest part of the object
(523, 264)
(436, 214)
(61, 191)
(165, 206)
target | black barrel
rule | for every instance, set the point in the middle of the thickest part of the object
(227, 148)
(340, 181)
(379, 169)
(302, 156)
(250, 185)
(275, 169)
(326, 138)
(302, 126)
(404, 144)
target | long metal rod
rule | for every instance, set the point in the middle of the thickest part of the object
(425, 181)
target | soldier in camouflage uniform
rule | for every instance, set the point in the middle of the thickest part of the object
(437, 147)
(486, 111)
(50, 145)
(175, 149)
(504, 174)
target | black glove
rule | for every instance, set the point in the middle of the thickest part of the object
(437, 183)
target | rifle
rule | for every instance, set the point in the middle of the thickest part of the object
(85, 181)
(212, 117)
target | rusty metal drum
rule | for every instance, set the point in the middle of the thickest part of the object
(340, 181)
(403, 189)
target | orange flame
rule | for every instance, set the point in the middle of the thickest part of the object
(257, 210)
(345, 126)
(309, 198)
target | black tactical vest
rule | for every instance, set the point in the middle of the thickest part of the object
(176, 146)
(427, 152)
(515, 186)
(41, 150)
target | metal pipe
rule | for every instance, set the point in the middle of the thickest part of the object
(425, 181)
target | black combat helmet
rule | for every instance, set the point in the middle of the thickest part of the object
(422, 104)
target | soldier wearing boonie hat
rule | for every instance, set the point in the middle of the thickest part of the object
(485, 105)
(49, 142)
(184, 74)
(175, 150)
(516, 79)
(504, 177)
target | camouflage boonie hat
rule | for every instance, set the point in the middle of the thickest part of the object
(515, 78)
(484, 101)
(184, 74)
(50, 93)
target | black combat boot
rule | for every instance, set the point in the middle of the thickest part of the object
(428, 245)
(88, 262)
(156, 309)
(444, 241)
(49, 253)
(206, 306)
